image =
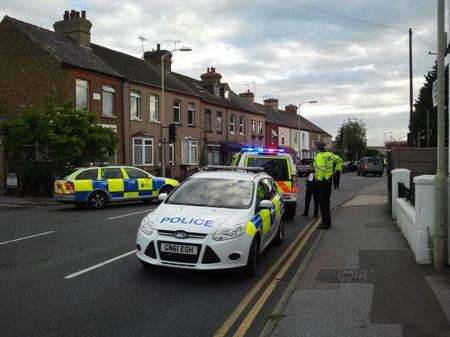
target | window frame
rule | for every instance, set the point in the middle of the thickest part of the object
(191, 145)
(260, 128)
(154, 115)
(219, 122)
(134, 94)
(143, 146)
(79, 81)
(232, 124)
(109, 90)
(171, 153)
(208, 120)
(191, 110)
(242, 125)
(178, 108)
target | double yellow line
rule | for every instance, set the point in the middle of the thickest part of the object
(295, 247)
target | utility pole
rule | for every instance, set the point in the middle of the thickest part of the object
(410, 74)
(440, 181)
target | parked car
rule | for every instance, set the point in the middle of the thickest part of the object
(305, 166)
(371, 165)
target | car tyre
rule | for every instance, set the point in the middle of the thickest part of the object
(289, 210)
(280, 234)
(250, 268)
(97, 200)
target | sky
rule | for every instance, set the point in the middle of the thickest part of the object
(350, 56)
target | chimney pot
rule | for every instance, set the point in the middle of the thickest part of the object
(83, 14)
(72, 13)
(213, 70)
(78, 30)
(66, 15)
(158, 46)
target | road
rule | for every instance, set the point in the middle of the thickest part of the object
(79, 276)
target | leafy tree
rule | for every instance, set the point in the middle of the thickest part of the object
(371, 152)
(44, 141)
(351, 139)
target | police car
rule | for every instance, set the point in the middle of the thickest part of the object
(96, 186)
(219, 218)
(280, 166)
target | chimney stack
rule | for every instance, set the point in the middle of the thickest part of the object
(211, 81)
(272, 102)
(248, 96)
(291, 108)
(75, 27)
(154, 57)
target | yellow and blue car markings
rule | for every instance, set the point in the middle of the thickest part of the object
(264, 221)
(120, 189)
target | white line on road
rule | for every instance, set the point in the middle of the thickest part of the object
(26, 237)
(101, 264)
(128, 214)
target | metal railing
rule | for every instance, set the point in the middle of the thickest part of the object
(405, 192)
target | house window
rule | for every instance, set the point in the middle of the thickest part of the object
(154, 108)
(82, 94)
(216, 90)
(242, 125)
(213, 154)
(191, 114)
(176, 111)
(260, 127)
(171, 154)
(142, 151)
(227, 94)
(189, 153)
(207, 120)
(219, 122)
(108, 100)
(303, 140)
(135, 105)
(254, 129)
(232, 122)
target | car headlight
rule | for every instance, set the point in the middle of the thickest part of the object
(228, 233)
(147, 226)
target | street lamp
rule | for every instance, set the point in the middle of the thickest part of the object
(163, 159)
(299, 131)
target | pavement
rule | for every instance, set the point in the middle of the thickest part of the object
(70, 272)
(361, 279)
(14, 201)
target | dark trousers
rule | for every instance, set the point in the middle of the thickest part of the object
(324, 191)
(336, 179)
(311, 191)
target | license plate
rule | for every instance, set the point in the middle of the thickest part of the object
(178, 249)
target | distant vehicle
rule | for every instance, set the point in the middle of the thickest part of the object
(371, 165)
(280, 166)
(214, 220)
(306, 165)
(350, 166)
(95, 187)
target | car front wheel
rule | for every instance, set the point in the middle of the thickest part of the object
(250, 268)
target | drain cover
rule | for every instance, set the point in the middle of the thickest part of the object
(346, 276)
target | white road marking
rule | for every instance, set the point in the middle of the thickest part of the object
(101, 264)
(129, 214)
(26, 237)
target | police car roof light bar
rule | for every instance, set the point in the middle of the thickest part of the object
(233, 168)
(262, 150)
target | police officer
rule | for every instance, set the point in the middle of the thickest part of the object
(338, 167)
(323, 164)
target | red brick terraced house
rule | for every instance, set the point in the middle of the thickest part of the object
(125, 93)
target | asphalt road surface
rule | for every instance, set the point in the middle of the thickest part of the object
(69, 272)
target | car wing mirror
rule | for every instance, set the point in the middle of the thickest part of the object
(267, 204)
(162, 196)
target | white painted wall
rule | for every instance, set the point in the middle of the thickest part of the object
(398, 175)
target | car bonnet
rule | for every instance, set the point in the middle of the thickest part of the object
(197, 219)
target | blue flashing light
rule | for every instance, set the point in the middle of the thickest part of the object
(262, 150)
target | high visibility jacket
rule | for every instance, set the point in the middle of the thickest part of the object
(323, 164)
(339, 162)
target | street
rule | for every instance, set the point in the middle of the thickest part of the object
(71, 272)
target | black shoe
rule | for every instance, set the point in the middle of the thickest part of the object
(305, 214)
(315, 215)
(323, 226)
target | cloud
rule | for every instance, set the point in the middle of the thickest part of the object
(279, 48)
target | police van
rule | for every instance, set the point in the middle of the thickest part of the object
(95, 186)
(219, 218)
(280, 166)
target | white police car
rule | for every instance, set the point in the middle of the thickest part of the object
(217, 219)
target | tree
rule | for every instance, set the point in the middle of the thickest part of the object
(372, 152)
(351, 139)
(418, 118)
(44, 141)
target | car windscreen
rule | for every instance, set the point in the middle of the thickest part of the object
(66, 174)
(374, 160)
(213, 192)
(275, 167)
